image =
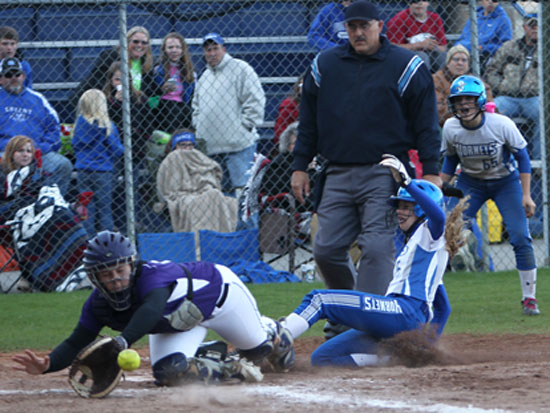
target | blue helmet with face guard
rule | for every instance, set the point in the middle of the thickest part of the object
(467, 85)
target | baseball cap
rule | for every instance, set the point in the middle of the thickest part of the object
(361, 10)
(10, 64)
(183, 137)
(531, 20)
(215, 37)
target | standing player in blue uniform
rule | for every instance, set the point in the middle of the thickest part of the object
(414, 296)
(175, 304)
(486, 144)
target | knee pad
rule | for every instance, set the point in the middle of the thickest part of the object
(278, 348)
(170, 370)
(266, 347)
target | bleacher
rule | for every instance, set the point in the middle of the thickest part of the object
(62, 42)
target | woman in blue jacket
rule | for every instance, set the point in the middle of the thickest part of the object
(494, 28)
(96, 144)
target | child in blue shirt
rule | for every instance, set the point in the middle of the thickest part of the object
(96, 144)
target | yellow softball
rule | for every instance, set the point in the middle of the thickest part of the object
(128, 360)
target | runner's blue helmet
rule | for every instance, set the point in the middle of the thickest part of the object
(106, 250)
(430, 189)
(468, 85)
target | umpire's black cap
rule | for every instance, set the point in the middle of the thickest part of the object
(361, 10)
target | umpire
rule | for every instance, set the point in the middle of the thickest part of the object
(362, 100)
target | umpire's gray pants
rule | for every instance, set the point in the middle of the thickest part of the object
(354, 206)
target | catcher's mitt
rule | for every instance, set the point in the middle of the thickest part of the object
(95, 371)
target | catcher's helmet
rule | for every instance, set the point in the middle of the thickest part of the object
(430, 189)
(106, 250)
(468, 85)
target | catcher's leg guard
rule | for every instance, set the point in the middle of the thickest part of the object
(213, 369)
(278, 349)
(260, 352)
(170, 370)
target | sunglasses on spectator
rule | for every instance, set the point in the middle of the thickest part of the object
(136, 41)
(9, 75)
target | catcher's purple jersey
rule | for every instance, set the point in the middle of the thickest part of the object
(207, 285)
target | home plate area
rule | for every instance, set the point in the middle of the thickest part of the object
(483, 373)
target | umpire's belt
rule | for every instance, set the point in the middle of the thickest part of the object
(223, 295)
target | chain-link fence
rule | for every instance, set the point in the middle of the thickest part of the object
(193, 126)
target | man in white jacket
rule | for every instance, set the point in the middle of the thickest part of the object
(228, 106)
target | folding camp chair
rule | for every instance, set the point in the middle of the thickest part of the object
(172, 246)
(6, 241)
(226, 248)
(278, 221)
(280, 233)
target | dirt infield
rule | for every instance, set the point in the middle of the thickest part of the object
(475, 374)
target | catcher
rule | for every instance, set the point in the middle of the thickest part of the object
(175, 304)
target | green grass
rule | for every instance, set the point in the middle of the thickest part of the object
(490, 303)
(481, 303)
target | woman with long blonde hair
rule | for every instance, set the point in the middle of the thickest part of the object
(140, 65)
(96, 144)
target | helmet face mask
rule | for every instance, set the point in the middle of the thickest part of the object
(106, 251)
(465, 108)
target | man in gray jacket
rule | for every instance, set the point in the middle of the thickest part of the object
(513, 75)
(228, 106)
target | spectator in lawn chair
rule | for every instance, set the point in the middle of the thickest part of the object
(421, 31)
(327, 30)
(288, 110)
(278, 172)
(228, 106)
(96, 145)
(513, 75)
(175, 82)
(187, 180)
(24, 111)
(140, 61)
(23, 176)
(494, 28)
(9, 44)
(458, 64)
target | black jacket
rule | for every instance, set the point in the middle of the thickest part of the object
(355, 108)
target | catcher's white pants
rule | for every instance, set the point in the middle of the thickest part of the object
(238, 321)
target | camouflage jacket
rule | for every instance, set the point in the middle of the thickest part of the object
(511, 73)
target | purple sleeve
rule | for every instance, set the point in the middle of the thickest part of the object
(86, 317)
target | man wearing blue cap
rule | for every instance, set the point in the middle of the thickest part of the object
(228, 106)
(360, 101)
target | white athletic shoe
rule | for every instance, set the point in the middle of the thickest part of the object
(248, 371)
(530, 306)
